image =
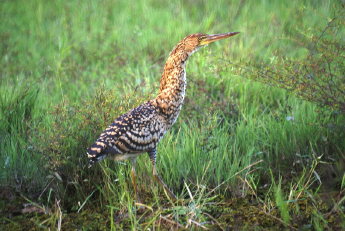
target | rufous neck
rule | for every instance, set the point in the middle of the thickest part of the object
(173, 85)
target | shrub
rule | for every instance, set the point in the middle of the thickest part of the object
(73, 128)
(317, 78)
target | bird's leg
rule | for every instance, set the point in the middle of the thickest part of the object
(152, 155)
(134, 177)
(161, 182)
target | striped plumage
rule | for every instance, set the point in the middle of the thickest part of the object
(139, 130)
(133, 133)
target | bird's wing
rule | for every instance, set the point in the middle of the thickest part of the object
(137, 131)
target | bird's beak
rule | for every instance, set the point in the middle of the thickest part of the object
(215, 37)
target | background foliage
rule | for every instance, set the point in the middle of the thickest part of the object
(241, 153)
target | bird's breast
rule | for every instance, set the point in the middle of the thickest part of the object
(121, 157)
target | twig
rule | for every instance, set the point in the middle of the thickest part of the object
(143, 205)
(280, 220)
(171, 221)
(60, 215)
(245, 181)
(46, 188)
(336, 205)
(215, 221)
(324, 30)
(197, 224)
(249, 166)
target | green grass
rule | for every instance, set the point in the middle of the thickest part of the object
(239, 149)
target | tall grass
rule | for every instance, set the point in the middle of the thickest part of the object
(83, 63)
(19, 164)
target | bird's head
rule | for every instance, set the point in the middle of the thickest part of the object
(195, 41)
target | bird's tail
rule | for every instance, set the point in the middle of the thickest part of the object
(95, 152)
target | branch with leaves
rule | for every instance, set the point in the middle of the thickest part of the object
(319, 78)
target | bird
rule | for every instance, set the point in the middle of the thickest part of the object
(139, 130)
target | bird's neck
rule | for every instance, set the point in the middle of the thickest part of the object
(173, 85)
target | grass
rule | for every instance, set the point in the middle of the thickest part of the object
(242, 155)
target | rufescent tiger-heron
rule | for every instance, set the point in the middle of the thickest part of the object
(139, 130)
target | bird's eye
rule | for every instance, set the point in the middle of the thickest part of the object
(201, 38)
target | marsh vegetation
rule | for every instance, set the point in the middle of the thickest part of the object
(244, 153)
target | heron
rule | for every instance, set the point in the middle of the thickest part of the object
(139, 130)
